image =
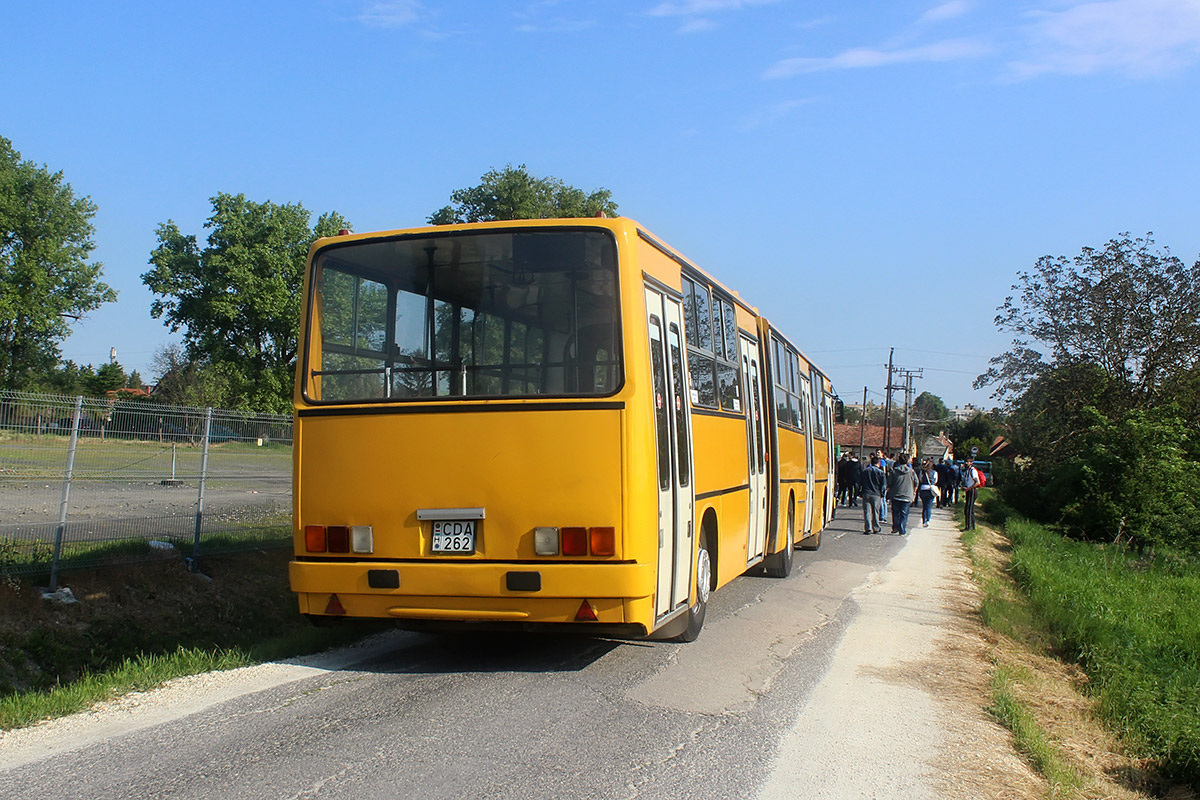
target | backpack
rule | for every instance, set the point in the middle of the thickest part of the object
(981, 478)
(970, 478)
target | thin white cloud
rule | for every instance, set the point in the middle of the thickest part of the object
(536, 19)
(688, 8)
(391, 13)
(698, 13)
(866, 57)
(949, 10)
(766, 116)
(557, 26)
(1141, 38)
(698, 25)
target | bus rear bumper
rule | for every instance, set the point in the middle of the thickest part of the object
(437, 593)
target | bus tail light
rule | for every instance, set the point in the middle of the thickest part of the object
(574, 541)
(603, 541)
(338, 537)
(585, 613)
(545, 541)
(314, 538)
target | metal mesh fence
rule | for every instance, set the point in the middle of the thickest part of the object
(90, 481)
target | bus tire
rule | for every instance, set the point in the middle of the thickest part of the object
(779, 565)
(695, 614)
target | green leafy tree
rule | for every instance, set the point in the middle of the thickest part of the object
(237, 299)
(46, 280)
(108, 378)
(1103, 382)
(980, 429)
(512, 193)
(1130, 309)
(928, 407)
(1129, 480)
(187, 382)
(67, 378)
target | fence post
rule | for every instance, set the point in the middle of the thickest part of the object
(66, 494)
(193, 562)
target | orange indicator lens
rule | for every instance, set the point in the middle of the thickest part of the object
(314, 538)
(604, 541)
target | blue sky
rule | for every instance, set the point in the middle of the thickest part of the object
(869, 174)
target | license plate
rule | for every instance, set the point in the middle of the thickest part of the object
(454, 535)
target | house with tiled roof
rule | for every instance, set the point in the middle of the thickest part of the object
(866, 439)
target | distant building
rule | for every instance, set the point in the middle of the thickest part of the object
(848, 439)
(936, 447)
(963, 413)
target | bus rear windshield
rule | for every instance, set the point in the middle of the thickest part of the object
(512, 314)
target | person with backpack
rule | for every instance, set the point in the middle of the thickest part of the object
(972, 479)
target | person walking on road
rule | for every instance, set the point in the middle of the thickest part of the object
(884, 465)
(970, 485)
(927, 481)
(902, 490)
(872, 484)
(853, 470)
(945, 477)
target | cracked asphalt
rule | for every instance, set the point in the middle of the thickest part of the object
(820, 685)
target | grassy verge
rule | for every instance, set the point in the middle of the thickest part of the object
(1132, 624)
(1030, 736)
(138, 626)
(1129, 625)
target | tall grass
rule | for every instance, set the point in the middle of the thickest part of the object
(1134, 625)
(1030, 739)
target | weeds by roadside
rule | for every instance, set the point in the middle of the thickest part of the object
(1063, 608)
(137, 627)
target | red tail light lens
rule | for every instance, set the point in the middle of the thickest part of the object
(339, 538)
(603, 541)
(314, 538)
(574, 541)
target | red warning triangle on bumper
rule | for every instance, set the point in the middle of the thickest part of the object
(335, 606)
(585, 613)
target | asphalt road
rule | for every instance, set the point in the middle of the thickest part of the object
(797, 688)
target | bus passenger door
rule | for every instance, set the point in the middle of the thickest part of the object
(673, 435)
(810, 421)
(754, 396)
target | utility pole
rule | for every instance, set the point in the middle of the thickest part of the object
(908, 375)
(862, 425)
(887, 407)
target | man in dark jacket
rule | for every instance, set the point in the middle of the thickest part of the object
(853, 470)
(902, 490)
(872, 484)
(947, 477)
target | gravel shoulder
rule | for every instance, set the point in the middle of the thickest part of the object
(900, 712)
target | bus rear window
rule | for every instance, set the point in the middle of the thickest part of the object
(512, 314)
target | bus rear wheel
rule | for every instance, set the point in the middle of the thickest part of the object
(695, 614)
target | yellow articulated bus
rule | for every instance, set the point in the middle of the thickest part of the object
(544, 424)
